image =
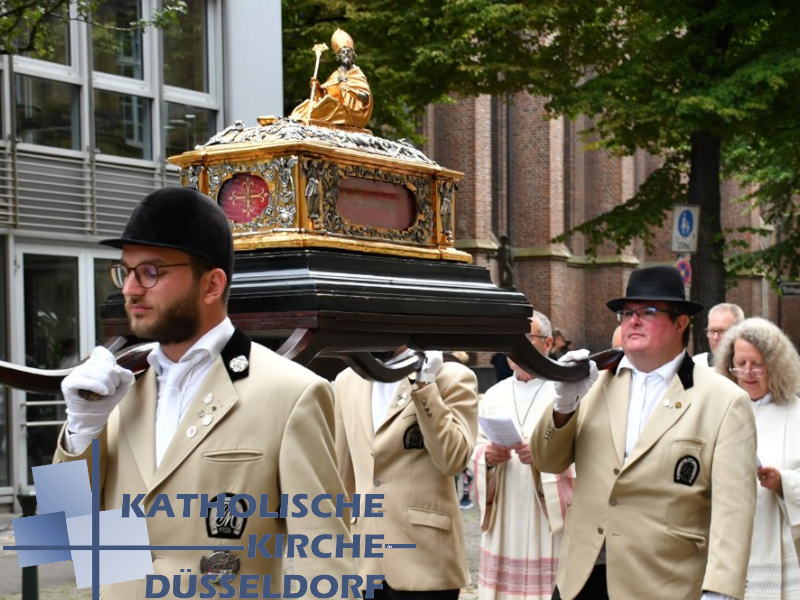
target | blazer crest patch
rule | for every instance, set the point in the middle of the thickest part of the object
(413, 439)
(686, 470)
(227, 527)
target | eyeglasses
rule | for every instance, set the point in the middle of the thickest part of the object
(146, 273)
(757, 371)
(715, 332)
(530, 336)
(648, 313)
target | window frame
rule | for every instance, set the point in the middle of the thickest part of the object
(53, 150)
(150, 87)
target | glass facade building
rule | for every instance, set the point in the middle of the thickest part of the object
(84, 135)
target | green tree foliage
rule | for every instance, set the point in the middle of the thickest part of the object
(414, 54)
(709, 85)
(26, 26)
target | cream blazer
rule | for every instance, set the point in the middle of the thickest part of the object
(271, 433)
(677, 516)
(425, 440)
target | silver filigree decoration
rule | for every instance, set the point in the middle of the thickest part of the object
(447, 190)
(281, 210)
(288, 130)
(220, 137)
(238, 364)
(331, 174)
(190, 176)
(312, 171)
(287, 205)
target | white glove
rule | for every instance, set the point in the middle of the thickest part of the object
(430, 368)
(569, 393)
(715, 596)
(102, 375)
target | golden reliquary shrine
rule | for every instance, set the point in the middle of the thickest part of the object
(344, 245)
(286, 184)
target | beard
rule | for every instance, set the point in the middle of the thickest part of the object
(176, 323)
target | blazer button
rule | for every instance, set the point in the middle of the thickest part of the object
(377, 483)
(613, 502)
(600, 530)
(616, 471)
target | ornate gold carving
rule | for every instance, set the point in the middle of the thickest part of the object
(300, 239)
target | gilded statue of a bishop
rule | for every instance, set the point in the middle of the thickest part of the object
(345, 98)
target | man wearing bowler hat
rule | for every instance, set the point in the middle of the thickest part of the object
(215, 414)
(665, 456)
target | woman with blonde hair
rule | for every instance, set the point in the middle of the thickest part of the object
(763, 361)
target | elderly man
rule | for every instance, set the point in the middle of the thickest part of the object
(522, 510)
(665, 450)
(407, 440)
(721, 317)
(214, 414)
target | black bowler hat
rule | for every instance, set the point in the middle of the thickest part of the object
(184, 219)
(656, 283)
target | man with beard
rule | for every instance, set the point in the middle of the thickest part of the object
(214, 415)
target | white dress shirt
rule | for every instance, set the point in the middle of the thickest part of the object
(646, 390)
(178, 382)
(383, 393)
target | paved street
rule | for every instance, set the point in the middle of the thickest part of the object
(57, 581)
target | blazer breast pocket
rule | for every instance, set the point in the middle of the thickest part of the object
(429, 518)
(687, 460)
(238, 455)
(692, 442)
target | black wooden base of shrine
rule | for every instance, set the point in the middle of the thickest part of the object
(313, 304)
